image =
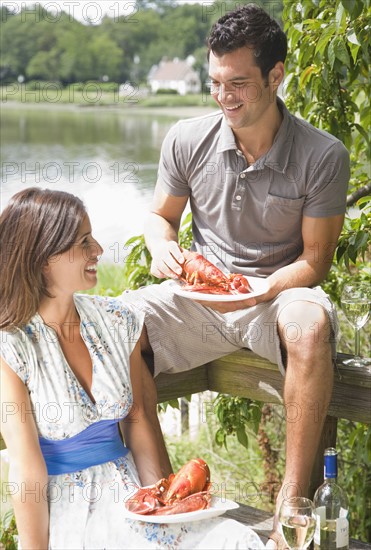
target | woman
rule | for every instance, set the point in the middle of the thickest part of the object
(70, 381)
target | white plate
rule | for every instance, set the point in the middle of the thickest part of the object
(259, 286)
(218, 507)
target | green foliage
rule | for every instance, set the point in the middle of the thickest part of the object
(352, 257)
(8, 531)
(236, 415)
(39, 45)
(354, 242)
(236, 472)
(137, 269)
(355, 474)
(328, 66)
(328, 84)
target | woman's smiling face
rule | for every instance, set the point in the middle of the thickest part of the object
(75, 269)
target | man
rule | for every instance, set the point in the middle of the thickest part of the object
(267, 193)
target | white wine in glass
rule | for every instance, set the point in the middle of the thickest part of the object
(297, 521)
(355, 302)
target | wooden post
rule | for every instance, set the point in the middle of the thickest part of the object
(328, 439)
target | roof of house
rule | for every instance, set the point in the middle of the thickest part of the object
(171, 70)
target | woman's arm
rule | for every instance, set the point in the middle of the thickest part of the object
(138, 433)
(27, 469)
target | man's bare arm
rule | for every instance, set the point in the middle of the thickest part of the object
(320, 237)
(161, 233)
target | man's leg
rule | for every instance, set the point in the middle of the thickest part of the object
(150, 404)
(305, 333)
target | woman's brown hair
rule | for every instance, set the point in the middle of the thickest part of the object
(36, 224)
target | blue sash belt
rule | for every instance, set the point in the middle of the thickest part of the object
(101, 442)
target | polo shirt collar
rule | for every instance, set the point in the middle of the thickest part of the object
(277, 158)
(227, 140)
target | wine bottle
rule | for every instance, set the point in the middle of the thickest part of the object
(331, 509)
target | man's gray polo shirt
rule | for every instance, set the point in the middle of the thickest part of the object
(248, 218)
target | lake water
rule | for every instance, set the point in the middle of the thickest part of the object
(106, 157)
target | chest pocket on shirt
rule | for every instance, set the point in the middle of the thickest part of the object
(283, 216)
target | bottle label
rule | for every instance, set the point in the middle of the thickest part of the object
(342, 531)
(320, 522)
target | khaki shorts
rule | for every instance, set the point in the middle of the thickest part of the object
(184, 334)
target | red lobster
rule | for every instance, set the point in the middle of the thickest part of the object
(200, 275)
(186, 491)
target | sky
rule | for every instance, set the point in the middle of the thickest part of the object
(84, 10)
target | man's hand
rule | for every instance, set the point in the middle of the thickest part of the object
(167, 260)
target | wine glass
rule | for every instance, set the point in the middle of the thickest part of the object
(297, 522)
(355, 302)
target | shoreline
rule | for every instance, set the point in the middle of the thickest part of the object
(187, 111)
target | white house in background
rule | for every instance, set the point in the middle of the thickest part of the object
(175, 75)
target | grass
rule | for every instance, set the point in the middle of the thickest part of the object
(93, 95)
(172, 100)
(111, 280)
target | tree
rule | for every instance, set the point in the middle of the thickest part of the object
(18, 41)
(44, 65)
(328, 84)
(76, 60)
(106, 56)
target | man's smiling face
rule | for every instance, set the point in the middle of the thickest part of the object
(239, 89)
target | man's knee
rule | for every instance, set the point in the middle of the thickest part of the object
(304, 327)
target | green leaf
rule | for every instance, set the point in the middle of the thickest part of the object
(340, 17)
(352, 253)
(361, 239)
(364, 200)
(242, 436)
(348, 5)
(294, 37)
(134, 239)
(7, 519)
(354, 49)
(174, 403)
(256, 415)
(305, 76)
(325, 38)
(220, 438)
(341, 51)
(332, 53)
(363, 132)
(352, 38)
(340, 251)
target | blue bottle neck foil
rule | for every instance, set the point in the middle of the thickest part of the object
(331, 464)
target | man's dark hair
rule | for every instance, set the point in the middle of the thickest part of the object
(251, 27)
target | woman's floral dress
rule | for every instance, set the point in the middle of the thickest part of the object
(86, 507)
